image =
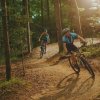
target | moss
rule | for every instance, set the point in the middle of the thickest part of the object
(6, 84)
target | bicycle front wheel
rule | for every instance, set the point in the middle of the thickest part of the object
(75, 66)
(41, 52)
(87, 66)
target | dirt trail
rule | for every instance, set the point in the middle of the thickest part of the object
(57, 81)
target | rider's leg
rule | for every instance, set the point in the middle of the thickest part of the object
(45, 44)
(72, 48)
(41, 42)
(45, 47)
(74, 59)
(41, 46)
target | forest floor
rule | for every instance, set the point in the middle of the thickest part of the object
(52, 79)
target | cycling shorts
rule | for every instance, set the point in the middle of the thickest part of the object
(71, 47)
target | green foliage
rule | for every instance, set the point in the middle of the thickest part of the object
(92, 51)
(7, 84)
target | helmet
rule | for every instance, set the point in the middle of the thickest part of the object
(65, 30)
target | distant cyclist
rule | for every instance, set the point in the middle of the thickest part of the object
(68, 41)
(44, 39)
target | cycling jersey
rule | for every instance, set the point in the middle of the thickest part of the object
(44, 37)
(67, 40)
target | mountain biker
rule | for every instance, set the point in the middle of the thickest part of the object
(44, 38)
(68, 40)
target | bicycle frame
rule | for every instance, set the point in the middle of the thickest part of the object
(43, 48)
(80, 60)
(77, 53)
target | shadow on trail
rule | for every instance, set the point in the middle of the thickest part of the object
(55, 63)
(68, 88)
(67, 81)
(59, 60)
(97, 98)
(85, 86)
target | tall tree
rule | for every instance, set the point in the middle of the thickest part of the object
(26, 13)
(45, 13)
(79, 19)
(6, 38)
(42, 14)
(48, 13)
(58, 23)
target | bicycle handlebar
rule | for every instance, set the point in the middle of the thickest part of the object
(84, 44)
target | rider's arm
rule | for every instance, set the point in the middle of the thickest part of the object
(48, 38)
(82, 39)
(40, 36)
(64, 46)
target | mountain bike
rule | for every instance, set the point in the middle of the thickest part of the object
(42, 49)
(81, 60)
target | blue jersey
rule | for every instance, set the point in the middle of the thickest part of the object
(73, 36)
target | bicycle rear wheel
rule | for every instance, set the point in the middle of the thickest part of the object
(41, 52)
(87, 66)
(45, 48)
(75, 66)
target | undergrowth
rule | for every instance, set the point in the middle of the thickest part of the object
(5, 84)
(92, 50)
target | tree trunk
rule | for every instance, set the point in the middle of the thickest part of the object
(58, 23)
(78, 16)
(6, 38)
(42, 14)
(45, 14)
(79, 19)
(48, 14)
(26, 12)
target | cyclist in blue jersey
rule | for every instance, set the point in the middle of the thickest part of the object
(68, 40)
(44, 39)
